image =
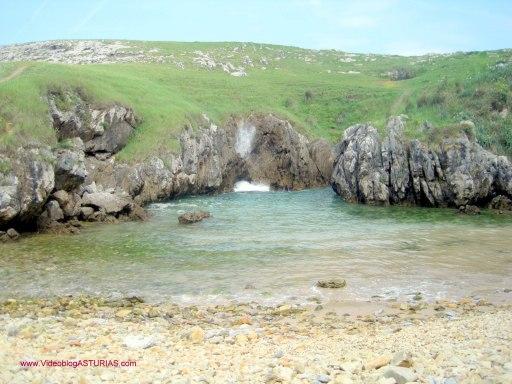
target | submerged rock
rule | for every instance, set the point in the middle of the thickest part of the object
(331, 283)
(193, 217)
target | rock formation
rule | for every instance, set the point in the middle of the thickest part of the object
(81, 179)
(393, 171)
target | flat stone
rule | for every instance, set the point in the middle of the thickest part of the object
(139, 342)
(378, 362)
(400, 374)
(109, 202)
(331, 283)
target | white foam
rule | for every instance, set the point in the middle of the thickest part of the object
(246, 186)
(244, 138)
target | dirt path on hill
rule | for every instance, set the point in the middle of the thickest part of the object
(18, 71)
(399, 101)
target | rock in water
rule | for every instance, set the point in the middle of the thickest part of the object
(331, 283)
(193, 217)
(459, 173)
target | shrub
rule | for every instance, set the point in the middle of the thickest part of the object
(308, 95)
(289, 103)
(401, 73)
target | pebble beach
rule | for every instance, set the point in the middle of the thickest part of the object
(449, 342)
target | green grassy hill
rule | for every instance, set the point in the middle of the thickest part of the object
(321, 92)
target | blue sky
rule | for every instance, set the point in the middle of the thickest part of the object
(378, 26)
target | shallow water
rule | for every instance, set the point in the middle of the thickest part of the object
(269, 247)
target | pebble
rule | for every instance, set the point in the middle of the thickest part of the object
(139, 341)
(378, 362)
(400, 374)
(295, 345)
(196, 335)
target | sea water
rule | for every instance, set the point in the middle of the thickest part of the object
(269, 247)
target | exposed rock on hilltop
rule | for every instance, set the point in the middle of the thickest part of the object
(391, 171)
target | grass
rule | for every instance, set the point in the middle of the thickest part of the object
(313, 89)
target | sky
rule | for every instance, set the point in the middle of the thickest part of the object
(404, 27)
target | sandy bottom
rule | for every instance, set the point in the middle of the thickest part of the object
(442, 342)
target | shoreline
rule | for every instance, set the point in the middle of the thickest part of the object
(463, 341)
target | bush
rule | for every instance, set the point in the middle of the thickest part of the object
(289, 103)
(401, 73)
(429, 100)
(308, 95)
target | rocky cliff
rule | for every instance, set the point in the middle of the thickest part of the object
(53, 189)
(458, 173)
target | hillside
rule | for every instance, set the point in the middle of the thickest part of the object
(323, 92)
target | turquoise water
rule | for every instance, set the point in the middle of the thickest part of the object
(268, 247)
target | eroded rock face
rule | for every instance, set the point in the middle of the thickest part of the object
(280, 156)
(103, 130)
(105, 201)
(25, 184)
(70, 171)
(261, 148)
(359, 174)
(393, 171)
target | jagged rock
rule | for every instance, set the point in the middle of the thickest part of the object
(54, 211)
(502, 203)
(469, 209)
(69, 202)
(10, 235)
(136, 212)
(70, 169)
(427, 178)
(470, 171)
(61, 196)
(72, 207)
(26, 185)
(395, 161)
(13, 234)
(322, 154)
(459, 173)
(280, 155)
(103, 130)
(108, 202)
(86, 212)
(114, 127)
(193, 217)
(359, 174)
